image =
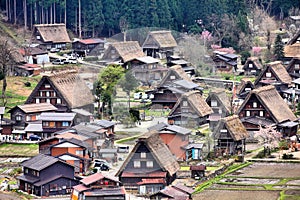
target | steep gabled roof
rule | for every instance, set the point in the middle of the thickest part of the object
(234, 126)
(291, 63)
(291, 51)
(128, 50)
(55, 33)
(272, 102)
(278, 70)
(256, 62)
(244, 82)
(295, 38)
(221, 97)
(158, 149)
(163, 39)
(72, 88)
(180, 73)
(194, 100)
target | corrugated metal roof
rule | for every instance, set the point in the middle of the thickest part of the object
(57, 116)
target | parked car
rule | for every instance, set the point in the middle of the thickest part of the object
(34, 138)
(54, 50)
(72, 60)
(58, 62)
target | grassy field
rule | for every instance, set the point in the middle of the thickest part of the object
(22, 150)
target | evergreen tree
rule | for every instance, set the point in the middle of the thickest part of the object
(278, 48)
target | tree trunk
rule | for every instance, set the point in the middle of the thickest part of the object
(25, 14)
(6, 8)
(128, 101)
(79, 18)
(4, 90)
(15, 12)
(65, 12)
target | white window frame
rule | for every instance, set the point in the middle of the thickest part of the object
(37, 100)
(268, 75)
(248, 113)
(149, 164)
(143, 155)
(58, 101)
(172, 77)
(261, 113)
(137, 164)
(47, 85)
(254, 105)
(184, 103)
(250, 65)
(214, 103)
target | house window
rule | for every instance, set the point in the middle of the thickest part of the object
(149, 164)
(26, 170)
(18, 117)
(223, 131)
(247, 89)
(65, 123)
(136, 164)
(268, 75)
(58, 101)
(52, 124)
(254, 104)
(172, 77)
(261, 113)
(54, 94)
(143, 154)
(47, 94)
(250, 65)
(53, 187)
(247, 113)
(37, 100)
(79, 152)
(45, 123)
(47, 85)
(297, 66)
(48, 100)
(185, 103)
(214, 103)
(41, 93)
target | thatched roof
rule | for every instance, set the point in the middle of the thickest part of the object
(72, 88)
(33, 108)
(292, 50)
(179, 73)
(244, 82)
(221, 96)
(256, 62)
(278, 70)
(162, 39)
(55, 33)
(295, 38)
(292, 62)
(159, 151)
(195, 101)
(234, 126)
(272, 102)
(128, 50)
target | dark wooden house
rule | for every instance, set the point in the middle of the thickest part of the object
(65, 90)
(252, 67)
(197, 171)
(177, 60)
(293, 68)
(224, 62)
(91, 46)
(46, 176)
(264, 106)
(148, 70)
(150, 166)
(24, 114)
(51, 36)
(191, 110)
(122, 53)
(230, 136)
(244, 88)
(172, 86)
(35, 55)
(220, 103)
(274, 74)
(98, 186)
(159, 44)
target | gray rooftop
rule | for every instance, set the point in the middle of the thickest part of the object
(104, 123)
(57, 116)
(40, 162)
(186, 84)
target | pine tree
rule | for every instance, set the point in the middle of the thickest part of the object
(278, 48)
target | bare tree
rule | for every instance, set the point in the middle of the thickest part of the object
(6, 61)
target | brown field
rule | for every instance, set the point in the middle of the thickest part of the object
(272, 170)
(237, 195)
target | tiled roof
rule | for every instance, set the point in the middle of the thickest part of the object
(40, 162)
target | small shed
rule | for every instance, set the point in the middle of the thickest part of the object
(197, 171)
(110, 155)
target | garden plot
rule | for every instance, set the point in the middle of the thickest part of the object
(271, 170)
(225, 186)
(254, 181)
(237, 195)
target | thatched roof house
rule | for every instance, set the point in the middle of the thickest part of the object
(123, 52)
(273, 73)
(292, 49)
(174, 73)
(244, 88)
(51, 33)
(252, 66)
(161, 42)
(66, 89)
(221, 97)
(150, 148)
(234, 126)
(293, 67)
(190, 110)
(272, 102)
